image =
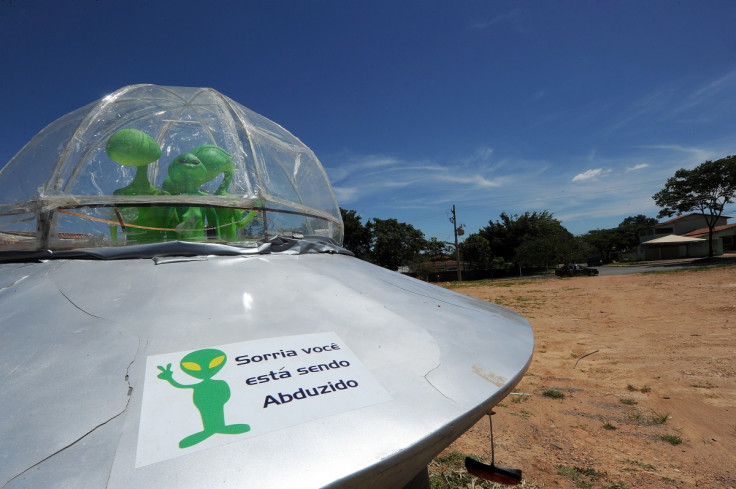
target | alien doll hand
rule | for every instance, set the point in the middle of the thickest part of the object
(166, 373)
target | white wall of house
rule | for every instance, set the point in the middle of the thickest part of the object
(673, 251)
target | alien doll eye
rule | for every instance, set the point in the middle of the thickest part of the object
(217, 361)
(191, 366)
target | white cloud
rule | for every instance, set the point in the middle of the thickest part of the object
(480, 156)
(640, 166)
(693, 155)
(483, 185)
(346, 195)
(591, 175)
(511, 16)
(474, 180)
(714, 87)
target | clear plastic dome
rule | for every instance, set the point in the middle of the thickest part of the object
(149, 164)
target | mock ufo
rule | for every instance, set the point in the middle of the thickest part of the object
(177, 311)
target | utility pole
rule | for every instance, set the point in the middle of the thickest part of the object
(459, 231)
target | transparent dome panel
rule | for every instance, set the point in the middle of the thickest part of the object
(149, 164)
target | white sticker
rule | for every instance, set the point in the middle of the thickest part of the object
(194, 400)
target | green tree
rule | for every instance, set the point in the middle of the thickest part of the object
(534, 252)
(506, 234)
(530, 239)
(706, 188)
(394, 243)
(623, 238)
(603, 241)
(556, 246)
(436, 250)
(477, 251)
(628, 231)
(569, 248)
(357, 236)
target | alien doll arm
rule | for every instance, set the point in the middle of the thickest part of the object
(168, 375)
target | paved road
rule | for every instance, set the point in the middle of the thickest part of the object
(662, 266)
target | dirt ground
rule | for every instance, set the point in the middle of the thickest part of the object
(654, 406)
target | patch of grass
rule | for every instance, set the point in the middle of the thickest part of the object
(618, 485)
(451, 459)
(579, 476)
(553, 394)
(658, 418)
(701, 265)
(502, 301)
(448, 472)
(671, 439)
(645, 389)
(640, 464)
(519, 399)
(519, 303)
(655, 419)
(628, 402)
(637, 418)
(522, 413)
(609, 426)
(504, 282)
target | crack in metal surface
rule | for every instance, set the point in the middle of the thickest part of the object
(130, 391)
(433, 386)
(13, 284)
(72, 303)
(127, 403)
(69, 445)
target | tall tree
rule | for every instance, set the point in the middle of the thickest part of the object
(602, 240)
(394, 243)
(623, 238)
(508, 234)
(706, 188)
(477, 250)
(436, 250)
(357, 236)
(628, 231)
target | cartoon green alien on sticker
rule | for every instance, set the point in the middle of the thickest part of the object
(209, 396)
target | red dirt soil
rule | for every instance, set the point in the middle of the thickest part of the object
(664, 371)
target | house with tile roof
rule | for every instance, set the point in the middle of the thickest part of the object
(685, 236)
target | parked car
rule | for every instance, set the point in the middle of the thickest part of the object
(574, 269)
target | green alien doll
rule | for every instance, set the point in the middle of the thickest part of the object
(209, 396)
(187, 177)
(186, 174)
(217, 161)
(131, 147)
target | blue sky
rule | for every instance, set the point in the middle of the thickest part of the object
(580, 108)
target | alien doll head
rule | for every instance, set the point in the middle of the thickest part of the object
(203, 364)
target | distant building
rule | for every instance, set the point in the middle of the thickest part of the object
(685, 237)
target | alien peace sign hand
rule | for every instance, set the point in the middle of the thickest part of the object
(166, 373)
